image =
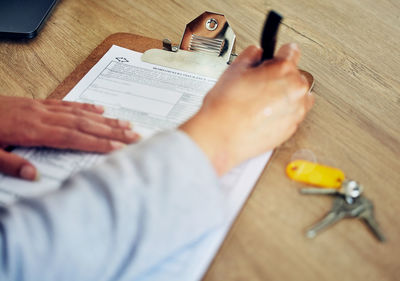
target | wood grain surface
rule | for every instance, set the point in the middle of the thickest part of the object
(351, 47)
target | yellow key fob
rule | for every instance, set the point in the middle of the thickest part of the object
(315, 174)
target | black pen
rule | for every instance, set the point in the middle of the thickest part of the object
(270, 31)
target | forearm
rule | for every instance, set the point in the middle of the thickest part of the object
(122, 217)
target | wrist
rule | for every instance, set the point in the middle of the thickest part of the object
(204, 131)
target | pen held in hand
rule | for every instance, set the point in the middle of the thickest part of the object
(270, 31)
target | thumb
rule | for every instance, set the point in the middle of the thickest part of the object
(249, 57)
(16, 166)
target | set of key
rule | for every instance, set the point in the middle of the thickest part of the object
(349, 201)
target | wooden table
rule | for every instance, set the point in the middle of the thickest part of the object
(352, 48)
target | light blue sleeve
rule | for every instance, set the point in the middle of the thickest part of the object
(118, 220)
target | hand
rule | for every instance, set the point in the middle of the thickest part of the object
(57, 124)
(252, 109)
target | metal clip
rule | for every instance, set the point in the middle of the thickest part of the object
(209, 33)
(206, 47)
(167, 46)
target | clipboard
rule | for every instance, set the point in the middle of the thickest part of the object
(207, 48)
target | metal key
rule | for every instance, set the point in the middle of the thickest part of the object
(367, 215)
(350, 190)
(340, 209)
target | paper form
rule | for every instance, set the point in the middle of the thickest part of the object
(153, 98)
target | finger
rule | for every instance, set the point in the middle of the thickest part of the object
(298, 87)
(289, 52)
(249, 57)
(277, 68)
(115, 123)
(16, 166)
(83, 106)
(308, 96)
(309, 101)
(65, 138)
(91, 127)
(303, 106)
(309, 78)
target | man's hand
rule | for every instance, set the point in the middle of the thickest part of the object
(57, 124)
(252, 109)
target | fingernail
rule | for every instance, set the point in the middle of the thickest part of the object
(294, 46)
(304, 78)
(117, 144)
(124, 124)
(99, 107)
(131, 134)
(28, 172)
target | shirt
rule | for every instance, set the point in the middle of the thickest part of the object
(118, 220)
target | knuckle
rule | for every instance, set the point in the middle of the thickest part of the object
(91, 107)
(103, 145)
(49, 102)
(119, 134)
(32, 107)
(43, 117)
(285, 66)
(297, 80)
(83, 124)
(108, 146)
(83, 106)
(298, 88)
(252, 48)
(30, 138)
(34, 135)
(302, 82)
(111, 122)
(63, 138)
(77, 111)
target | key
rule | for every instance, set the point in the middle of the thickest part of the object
(320, 191)
(349, 189)
(367, 215)
(329, 219)
(340, 209)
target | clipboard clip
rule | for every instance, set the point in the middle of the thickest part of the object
(207, 47)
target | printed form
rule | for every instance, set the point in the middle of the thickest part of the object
(153, 98)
